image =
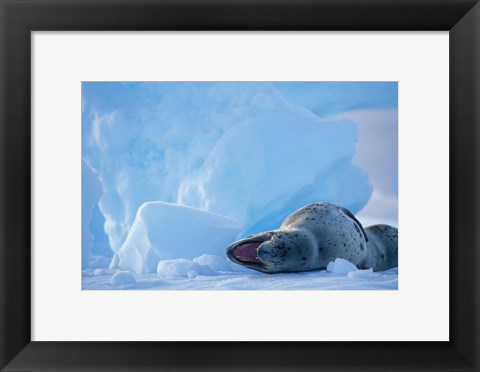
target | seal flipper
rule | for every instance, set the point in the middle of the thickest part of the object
(350, 214)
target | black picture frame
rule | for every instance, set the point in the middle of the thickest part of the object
(18, 18)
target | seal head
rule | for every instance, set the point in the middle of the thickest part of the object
(274, 251)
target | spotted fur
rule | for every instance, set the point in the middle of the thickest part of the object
(318, 233)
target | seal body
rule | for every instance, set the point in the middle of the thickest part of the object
(314, 235)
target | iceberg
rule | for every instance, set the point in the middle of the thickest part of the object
(91, 193)
(266, 167)
(164, 231)
(331, 98)
(240, 150)
(341, 266)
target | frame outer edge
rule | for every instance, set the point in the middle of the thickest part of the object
(15, 183)
(3, 338)
(15, 306)
(465, 186)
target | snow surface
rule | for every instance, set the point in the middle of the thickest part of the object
(219, 264)
(122, 278)
(182, 268)
(166, 231)
(361, 274)
(183, 274)
(99, 272)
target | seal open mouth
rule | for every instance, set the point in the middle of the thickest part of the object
(247, 252)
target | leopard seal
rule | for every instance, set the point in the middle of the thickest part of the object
(314, 235)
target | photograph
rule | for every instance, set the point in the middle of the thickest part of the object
(239, 185)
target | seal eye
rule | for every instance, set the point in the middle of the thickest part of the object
(247, 252)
